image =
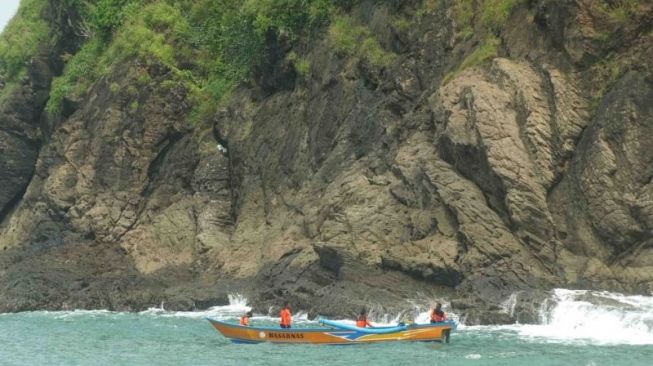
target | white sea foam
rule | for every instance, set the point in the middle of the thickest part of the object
(420, 314)
(571, 316)
(509, 305)
(71, 315)
(603, 317)
(236, 308)
(575, 316)
(590, 317)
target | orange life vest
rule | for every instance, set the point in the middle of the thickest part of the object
(438, 316)
(244, 320)
(362, 323)
(286, 317)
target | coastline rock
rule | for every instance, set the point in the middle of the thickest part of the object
(389, 187)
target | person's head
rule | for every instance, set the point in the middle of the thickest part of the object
(249, 314)
(438, 306)
(286, 305)
(363, 312)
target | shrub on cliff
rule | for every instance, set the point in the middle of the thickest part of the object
(212, 45)
(21, 37)
(352, 39)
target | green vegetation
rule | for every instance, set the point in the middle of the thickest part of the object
(108, 15)
(611, 68)
(344, 35)
(302, 66)
(209, 46)
(21, 38)
(372, 51)
(428, 6)
(486, 19)
(401, 24)
(620, 11)
(80, 72)
(133, 106)
(356, 40)
(492, 14)
(485, 52)
(6, 91)
(464, 10)
(495, 13)
(159, 32)
(231, 35)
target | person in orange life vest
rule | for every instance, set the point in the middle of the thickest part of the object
(362, 321)
(244, 320)
(437, 315)
(286, 316)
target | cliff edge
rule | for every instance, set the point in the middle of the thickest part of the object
(335, 154)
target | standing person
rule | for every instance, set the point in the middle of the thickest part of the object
(437, 315)
(244, 320)
(362, 321)
(286, 316)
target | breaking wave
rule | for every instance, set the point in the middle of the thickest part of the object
(600, 317)
(236, 308)
(589, 317)
(569, 316)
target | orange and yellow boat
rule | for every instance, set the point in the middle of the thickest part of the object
(335, 333)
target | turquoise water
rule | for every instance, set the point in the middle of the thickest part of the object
(160, 338)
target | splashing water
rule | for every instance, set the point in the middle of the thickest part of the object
(588, 328)
(579, 316)
(509, 305)
(595, 317)
(237, 306)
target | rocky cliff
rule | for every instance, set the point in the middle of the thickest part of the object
(377, 153)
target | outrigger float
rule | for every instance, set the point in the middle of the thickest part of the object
(337, 333)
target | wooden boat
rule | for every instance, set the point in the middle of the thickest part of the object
(337, 333)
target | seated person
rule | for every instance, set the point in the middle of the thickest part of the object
(244, 320)
(362, 321)
(437, 315)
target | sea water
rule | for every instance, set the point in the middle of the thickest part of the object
(614, 329)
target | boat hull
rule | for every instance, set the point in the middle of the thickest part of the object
(241, 334)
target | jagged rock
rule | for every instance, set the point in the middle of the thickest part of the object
(611, 176)
(357, 186)
(501, 133)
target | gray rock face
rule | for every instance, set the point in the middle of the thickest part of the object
(20, 134)
(610, 180)
(617, 151)
(356, 185)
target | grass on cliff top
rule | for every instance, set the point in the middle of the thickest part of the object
(158, 31)
(81, 70)
(352, 39)
(21, 38)
(210, 45)
(152, 34)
